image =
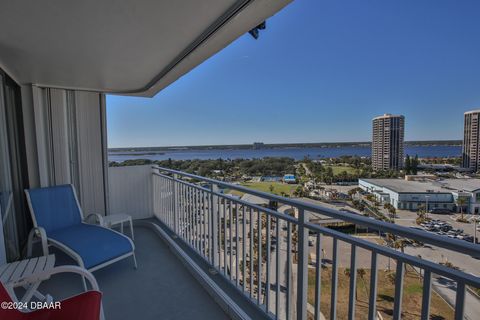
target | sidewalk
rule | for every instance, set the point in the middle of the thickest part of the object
(446, 288)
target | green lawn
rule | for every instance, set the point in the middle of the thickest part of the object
(339, 169)
(278, 187)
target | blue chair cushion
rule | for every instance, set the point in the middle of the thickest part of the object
(55, 207)
(94, 244)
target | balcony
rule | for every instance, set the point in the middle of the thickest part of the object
(191, 234)
(161, 287)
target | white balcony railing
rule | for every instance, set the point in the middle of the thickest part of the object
(265, 252)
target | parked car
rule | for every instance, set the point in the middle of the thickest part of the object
(440, 211)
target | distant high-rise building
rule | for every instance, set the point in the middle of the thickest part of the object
(471, 143)
(387, 142)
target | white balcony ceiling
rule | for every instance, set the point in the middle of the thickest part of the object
(121, 46)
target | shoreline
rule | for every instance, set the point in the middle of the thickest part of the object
(266, 146)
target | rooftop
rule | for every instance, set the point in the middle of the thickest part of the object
(403, 186)
(473, 111)
(462, 184)
(388, 115)
(427, 186)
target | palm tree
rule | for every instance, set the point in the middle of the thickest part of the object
(271, 188)
(392, 211)
(361, 273)
(401, 244)
(348, 273)
(461, 202)
(421, 214)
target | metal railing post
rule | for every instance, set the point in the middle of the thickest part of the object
(214, 225)
(302, 277)
(175, 205)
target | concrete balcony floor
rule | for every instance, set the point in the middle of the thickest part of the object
(161, 287)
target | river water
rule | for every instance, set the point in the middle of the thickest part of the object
(296, 153)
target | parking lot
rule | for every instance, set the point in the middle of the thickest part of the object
(445, 228)
(441, 224)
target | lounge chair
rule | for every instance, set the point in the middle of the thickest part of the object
(29, 274)
(58, 221)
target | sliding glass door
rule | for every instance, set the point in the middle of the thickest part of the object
(14, 220)
(8, 235)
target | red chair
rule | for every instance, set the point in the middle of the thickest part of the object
(84, 306)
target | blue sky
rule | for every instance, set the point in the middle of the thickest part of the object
(319, 72)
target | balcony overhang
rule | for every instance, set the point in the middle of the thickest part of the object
(124, 47)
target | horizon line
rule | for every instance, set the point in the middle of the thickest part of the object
(279, 144)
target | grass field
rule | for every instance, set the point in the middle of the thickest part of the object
(411, 302)
(278, 187)
(339, 169)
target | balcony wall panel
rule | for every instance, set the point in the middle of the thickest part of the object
(131, 191)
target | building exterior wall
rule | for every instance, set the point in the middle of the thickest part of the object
(471, 140)
(412, 201)
(409, 201)
(474, 206)
(387, 142)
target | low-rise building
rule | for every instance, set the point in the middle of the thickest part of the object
(410, 195)
(289, 178)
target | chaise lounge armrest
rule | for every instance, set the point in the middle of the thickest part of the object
(99, 218)
(41, 276)
(40, 233)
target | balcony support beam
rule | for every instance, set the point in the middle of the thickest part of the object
(214, 226)
(175, 204)
(302, 279)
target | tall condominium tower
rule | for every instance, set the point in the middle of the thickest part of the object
(471, 133)
(387, 143)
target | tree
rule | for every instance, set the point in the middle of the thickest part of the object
(392, 277)
(392, 211)
(347, 274)
(400, 244)
(408, 165)
(421, 214)
(415, 164)
(299, 192)
(329, 175)
(354, 191)
(361, 273)
(461, 202)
